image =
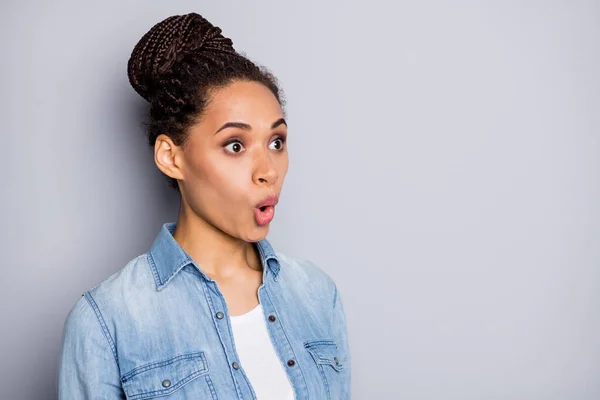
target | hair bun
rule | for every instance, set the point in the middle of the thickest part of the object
(167, 43)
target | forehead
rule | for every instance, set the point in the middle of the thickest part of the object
(241, 101)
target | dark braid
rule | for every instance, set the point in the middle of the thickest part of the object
(176, 64)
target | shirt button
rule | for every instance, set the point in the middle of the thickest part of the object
(235, 365)
(166, 383)
(291, 363)
(335, 359)
(220, 315)
(272, 318)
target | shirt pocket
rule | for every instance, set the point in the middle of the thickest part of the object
(169, 376)
(330, 364)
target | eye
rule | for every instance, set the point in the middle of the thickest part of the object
(277, 144)
(235, 147)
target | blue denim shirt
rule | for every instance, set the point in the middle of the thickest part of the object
(160, 328)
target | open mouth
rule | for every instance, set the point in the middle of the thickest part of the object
(265, 210)
(264, 214)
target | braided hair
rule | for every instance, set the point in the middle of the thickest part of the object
(176, 64)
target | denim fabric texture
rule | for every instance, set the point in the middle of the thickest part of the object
(160, 328)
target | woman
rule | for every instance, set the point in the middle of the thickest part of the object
(211, 311)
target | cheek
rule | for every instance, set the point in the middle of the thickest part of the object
(283, 166)
(220, 181)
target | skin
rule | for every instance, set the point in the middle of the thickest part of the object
(221, 181)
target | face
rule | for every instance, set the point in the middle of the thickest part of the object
(232, 167)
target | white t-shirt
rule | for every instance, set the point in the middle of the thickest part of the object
(258, 357)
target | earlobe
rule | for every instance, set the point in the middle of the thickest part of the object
(165, 157)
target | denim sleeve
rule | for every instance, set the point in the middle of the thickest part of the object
(88, 367)
(340, 333)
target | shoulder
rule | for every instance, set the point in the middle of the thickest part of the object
(303, 268)
(80, 317)
(306, 273)
(136, 275)
(111, 294)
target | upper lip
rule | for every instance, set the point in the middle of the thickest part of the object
(268, 201)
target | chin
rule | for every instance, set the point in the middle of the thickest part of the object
(257, 234)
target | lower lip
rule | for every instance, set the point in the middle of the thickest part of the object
(264, 217)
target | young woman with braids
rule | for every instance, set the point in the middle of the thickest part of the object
(211, 311)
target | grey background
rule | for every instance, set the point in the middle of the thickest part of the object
(444, 170)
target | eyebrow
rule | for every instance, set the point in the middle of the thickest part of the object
(246, 127)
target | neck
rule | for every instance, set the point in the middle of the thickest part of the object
(218, 254)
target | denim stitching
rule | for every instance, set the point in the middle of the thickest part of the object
(176, 270)
(153, 268)
(211, 308)
(286, 338)
(320, 368)
(211, 387)
(335, 296)
(310, 346)
(171, 389)
(314, 343)
(148, 367)
(266, 259)
(102, 323)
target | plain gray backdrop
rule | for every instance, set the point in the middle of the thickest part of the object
(444, 170)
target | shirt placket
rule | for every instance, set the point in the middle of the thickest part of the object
(280, 341)
(220, 316)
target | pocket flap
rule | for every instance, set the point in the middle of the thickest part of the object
(163, 377)
(325, 352)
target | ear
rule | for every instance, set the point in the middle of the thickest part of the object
(168, 157)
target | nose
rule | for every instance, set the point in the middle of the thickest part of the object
(264, 172)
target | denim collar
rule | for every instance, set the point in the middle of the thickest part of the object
(167, 257)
